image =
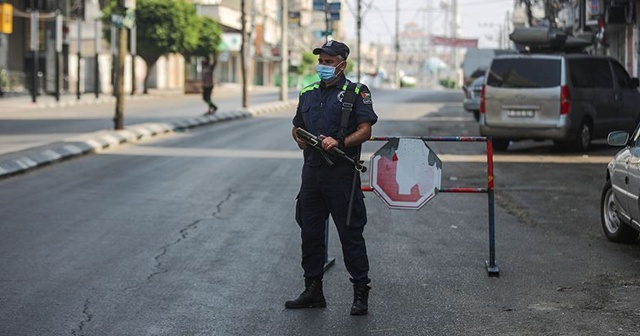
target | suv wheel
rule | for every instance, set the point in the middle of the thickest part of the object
(583, 137)
(500, 145)
(614, 228)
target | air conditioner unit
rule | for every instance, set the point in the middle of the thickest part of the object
(620, 13)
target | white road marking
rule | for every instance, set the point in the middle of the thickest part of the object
(297, 154)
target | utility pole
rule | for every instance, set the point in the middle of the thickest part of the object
(133, 50)
(98, 40)
(454, 35)
(59, 24)
(113, 50)
(79, 22)
(284, 51)
(326, 20)
(397, 46)
(358, 28)
(243, 63)
(118, 119)
(34, 49)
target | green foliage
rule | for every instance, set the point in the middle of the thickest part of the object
(448, 83)
(308, 64)
(349, 68)
(166, 26)
(162, 27)
(209, 37)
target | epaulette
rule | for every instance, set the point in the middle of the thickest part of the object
(310, 87)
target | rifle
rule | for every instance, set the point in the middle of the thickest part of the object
(316, 143)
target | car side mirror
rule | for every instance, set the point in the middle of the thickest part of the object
(618, 138)
(635, 82)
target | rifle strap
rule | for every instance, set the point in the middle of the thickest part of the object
(351, 91)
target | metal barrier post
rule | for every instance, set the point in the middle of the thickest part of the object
(492, 268)
(328, 262)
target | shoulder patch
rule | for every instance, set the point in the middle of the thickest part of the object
(366, 98)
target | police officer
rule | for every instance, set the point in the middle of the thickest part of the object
(327, 189)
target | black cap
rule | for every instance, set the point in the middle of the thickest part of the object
(333, 48)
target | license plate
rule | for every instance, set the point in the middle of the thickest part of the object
(521, 113)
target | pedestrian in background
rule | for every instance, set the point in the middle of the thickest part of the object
(326, 189)
(207, 85)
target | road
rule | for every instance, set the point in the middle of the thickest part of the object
(194, 234)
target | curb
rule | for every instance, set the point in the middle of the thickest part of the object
(30, 159)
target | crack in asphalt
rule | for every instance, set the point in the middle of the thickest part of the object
(184, 232)
(87, 319)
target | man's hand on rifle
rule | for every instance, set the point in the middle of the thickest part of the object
(301, 143)
(328, 143)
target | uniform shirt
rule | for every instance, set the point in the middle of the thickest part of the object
(320, 112)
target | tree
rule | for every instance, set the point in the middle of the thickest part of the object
(209, 38)
(162, 26)
(307, 66)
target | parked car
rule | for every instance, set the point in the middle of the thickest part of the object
(620, 203)
(568, 98)
(472, 93)
(475, 74)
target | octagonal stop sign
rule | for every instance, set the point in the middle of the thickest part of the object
(405, 173)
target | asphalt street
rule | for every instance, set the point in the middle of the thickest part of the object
(193, 234)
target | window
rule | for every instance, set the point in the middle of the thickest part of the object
(524, 73)
(622, 77)
(590, 73)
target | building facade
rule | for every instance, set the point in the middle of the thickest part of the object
(75, 57)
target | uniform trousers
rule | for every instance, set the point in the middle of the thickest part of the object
(325, 191)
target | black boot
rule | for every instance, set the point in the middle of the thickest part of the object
(312, 297)
(360, 299)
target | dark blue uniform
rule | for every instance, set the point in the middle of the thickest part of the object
(326, 189)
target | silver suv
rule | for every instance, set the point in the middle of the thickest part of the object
(568, 98)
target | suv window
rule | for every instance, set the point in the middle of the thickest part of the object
(590, 73)
(622, 77)
(524, 73)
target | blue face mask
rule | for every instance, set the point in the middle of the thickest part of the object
(326, 72)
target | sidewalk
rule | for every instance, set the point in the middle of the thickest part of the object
(12, 103)
(34, 157)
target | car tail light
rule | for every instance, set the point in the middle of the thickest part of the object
(565, 100)
(482, 105)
